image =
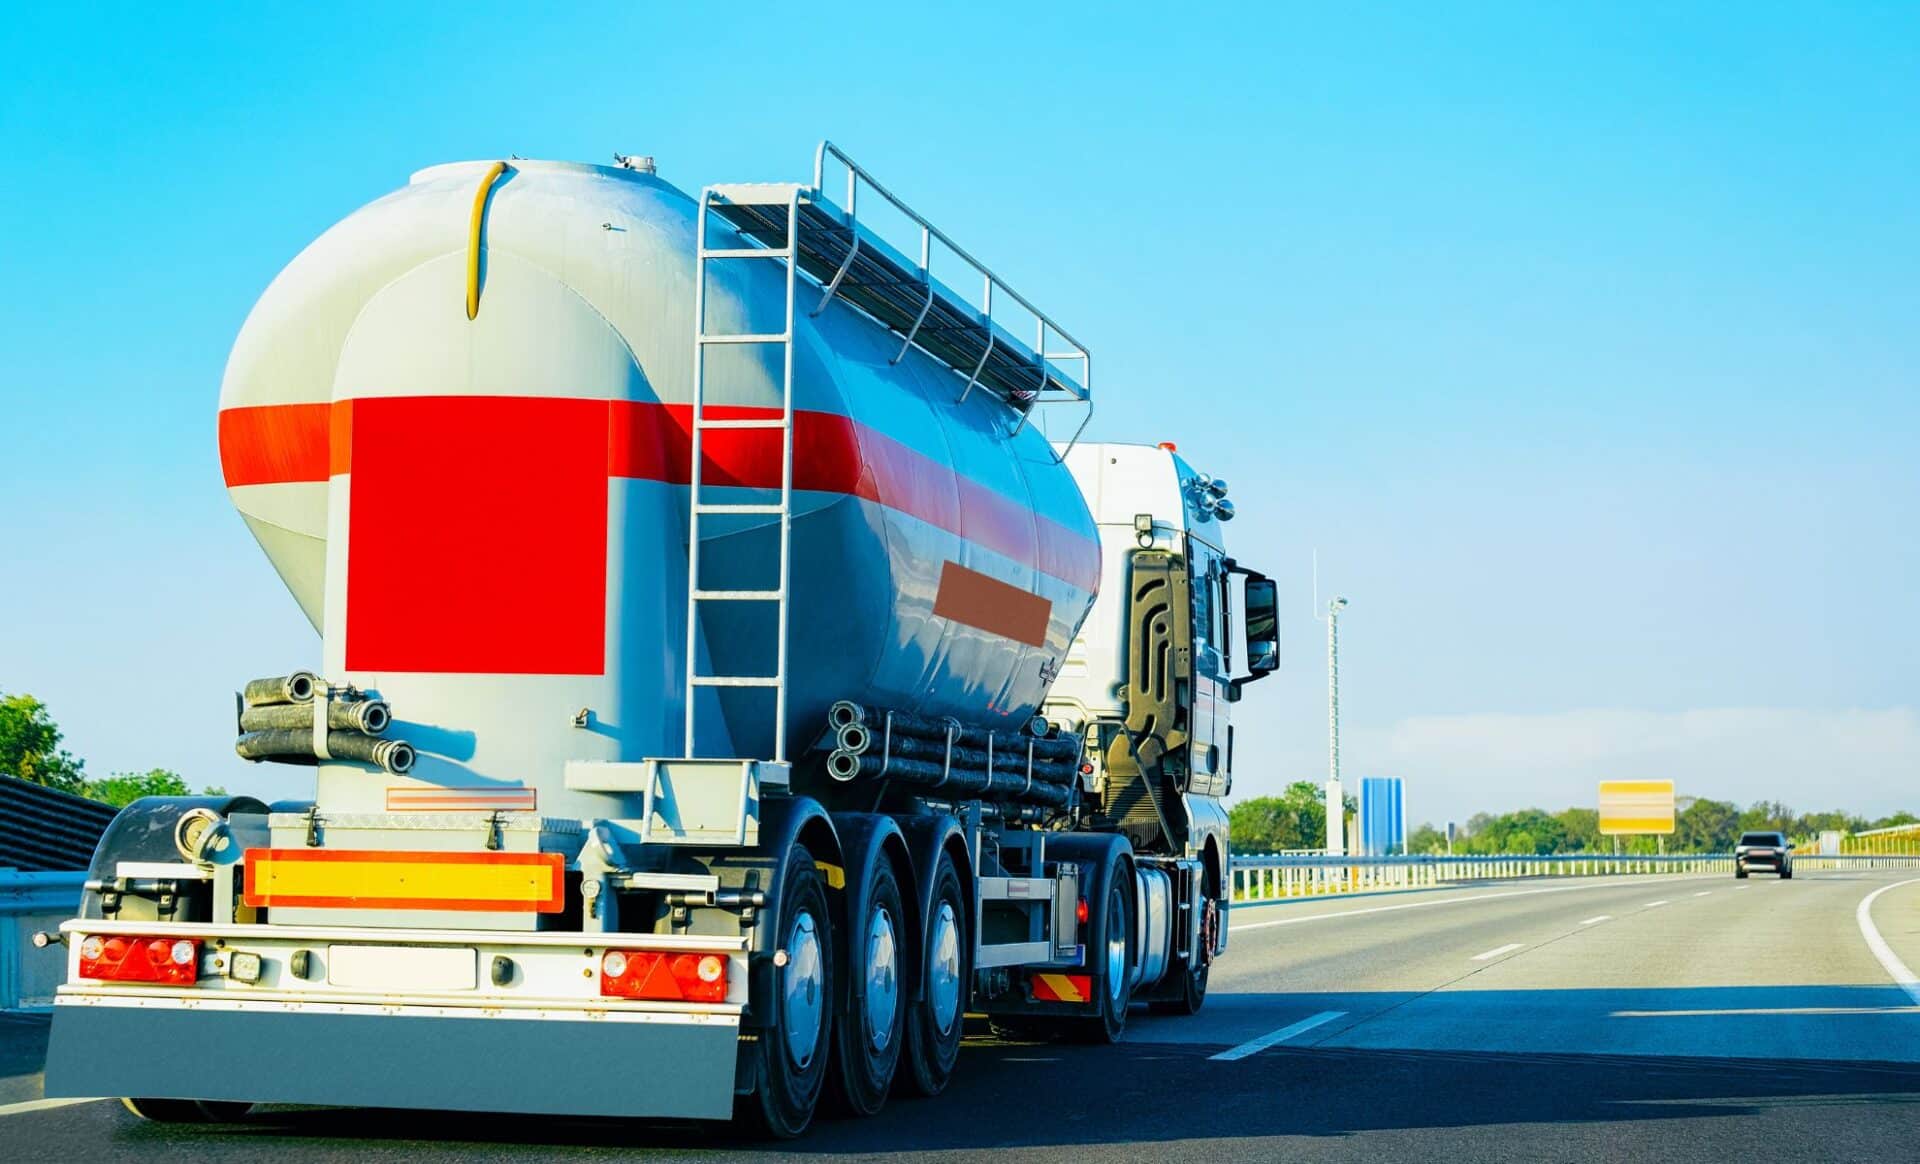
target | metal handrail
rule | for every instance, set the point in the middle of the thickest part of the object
(856, 176)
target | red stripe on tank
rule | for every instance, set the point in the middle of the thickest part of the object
(650, 441)
(273, 443)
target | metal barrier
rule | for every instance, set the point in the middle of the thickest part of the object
(29, 902)
(1284, 875)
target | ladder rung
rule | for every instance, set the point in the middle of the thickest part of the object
(745, 338)
(721, 507)
(747, 253)
(759, 422)
(739, 595)
(735, 680)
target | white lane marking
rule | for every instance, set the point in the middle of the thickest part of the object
(1703, 893)
(40, 1105)
(1593, 921)
(1765, 1010)
(1889, 961)
(1509, 948)
(1652, 904)
(1743, 887)
(1255, 1046)
(1237, 927)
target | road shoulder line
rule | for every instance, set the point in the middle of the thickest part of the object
(1903, 977)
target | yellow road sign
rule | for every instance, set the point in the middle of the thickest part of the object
(1636, 806)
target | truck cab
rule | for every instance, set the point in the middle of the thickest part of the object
(1178, 631)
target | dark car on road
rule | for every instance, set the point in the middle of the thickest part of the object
(1768, 852)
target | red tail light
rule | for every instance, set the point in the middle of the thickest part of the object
(130, 958)
(664, 977)
(1080, 911)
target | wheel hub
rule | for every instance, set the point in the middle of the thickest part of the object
(943, 975)
(883, 979)
(804, 989)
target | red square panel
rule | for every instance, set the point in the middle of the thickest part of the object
(478, 535)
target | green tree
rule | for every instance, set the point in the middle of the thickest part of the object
(1706, 826)
(1581, 830)
(123, 788)
(30, 746)
(1296, 819)
(1425, 840)
(1528, 831)
(1768, 816)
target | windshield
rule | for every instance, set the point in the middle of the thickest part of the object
(1760, 839)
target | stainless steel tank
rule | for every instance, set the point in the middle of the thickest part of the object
(486, 518)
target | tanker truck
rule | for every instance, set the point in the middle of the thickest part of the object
(735, 675)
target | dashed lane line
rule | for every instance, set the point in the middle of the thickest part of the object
(1655, 904)
(1594, 921)
(1509, 948)
(1273, 1038)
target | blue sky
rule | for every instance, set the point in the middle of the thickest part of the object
(1583, 343)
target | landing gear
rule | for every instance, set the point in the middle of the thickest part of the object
(872, 1001)
(188, 1111)
(934, 1024)
(794, 1049)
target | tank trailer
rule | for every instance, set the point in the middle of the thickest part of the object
(726, 688)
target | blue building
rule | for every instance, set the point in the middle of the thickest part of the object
(1383, 816)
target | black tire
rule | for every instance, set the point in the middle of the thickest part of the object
(1116, 990)
(866, 1046)
(1193, 988)
(188, 1111)
(1786, 874)
(1740, 872)
(1193, 995)
(788, 1090)
(933, 1050)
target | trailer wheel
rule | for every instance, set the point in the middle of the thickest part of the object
(937, 1021)
(868, 1033)
(188, 1111)
(1115, 960)
(793, 1050)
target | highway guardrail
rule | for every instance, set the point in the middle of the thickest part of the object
(1283, 875)
(29, 902)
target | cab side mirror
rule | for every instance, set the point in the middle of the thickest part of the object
(1262, 606)
(1263, 626)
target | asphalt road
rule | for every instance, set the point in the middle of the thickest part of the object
(1656, 1018)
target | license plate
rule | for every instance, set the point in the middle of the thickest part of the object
(402, 969)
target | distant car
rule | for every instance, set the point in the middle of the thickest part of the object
(1765, 851)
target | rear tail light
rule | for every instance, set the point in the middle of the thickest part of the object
(131, 958)
(664, 977)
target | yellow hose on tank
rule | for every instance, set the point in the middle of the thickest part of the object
(473, 236)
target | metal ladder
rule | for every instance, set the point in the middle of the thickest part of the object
(759, 195)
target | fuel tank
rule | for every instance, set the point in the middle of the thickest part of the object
(486, 518)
